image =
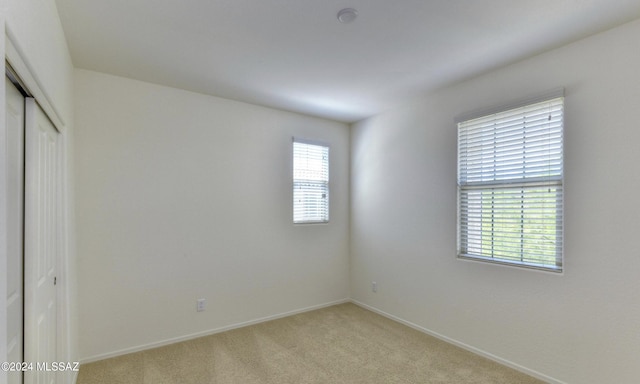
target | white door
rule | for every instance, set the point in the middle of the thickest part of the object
(15, 171)
(42, 221)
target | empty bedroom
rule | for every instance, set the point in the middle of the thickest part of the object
(306, 191)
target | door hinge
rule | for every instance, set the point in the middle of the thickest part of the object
(55, 280)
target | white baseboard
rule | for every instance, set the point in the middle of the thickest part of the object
(207, 332)
(462, 345)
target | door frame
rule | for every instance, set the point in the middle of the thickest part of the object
(29, 80)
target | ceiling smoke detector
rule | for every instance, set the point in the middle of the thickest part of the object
(347, 15)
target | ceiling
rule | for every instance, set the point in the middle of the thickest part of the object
(295, 55)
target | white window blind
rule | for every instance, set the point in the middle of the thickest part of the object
(510, 186)
(310, 182)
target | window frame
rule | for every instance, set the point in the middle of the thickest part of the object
(325, 184)
(463, 253)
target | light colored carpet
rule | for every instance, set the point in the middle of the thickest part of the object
(339, 344)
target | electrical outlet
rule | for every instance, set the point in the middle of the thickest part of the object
(374, 286)
(200, 305)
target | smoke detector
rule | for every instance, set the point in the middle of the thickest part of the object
(347, 15)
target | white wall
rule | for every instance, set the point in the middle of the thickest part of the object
(41, 58)
(580, 327)
(183, 196)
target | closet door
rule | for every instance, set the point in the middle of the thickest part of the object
(15, 210)
(42, 222)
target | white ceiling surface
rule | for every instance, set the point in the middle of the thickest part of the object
(295, 55)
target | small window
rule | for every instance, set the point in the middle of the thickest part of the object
(310, 182)
(510, 186)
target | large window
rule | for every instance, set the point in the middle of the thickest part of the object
(310, 182)
(510, 185)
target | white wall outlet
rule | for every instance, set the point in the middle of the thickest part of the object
(374, 286)
(200, 305)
